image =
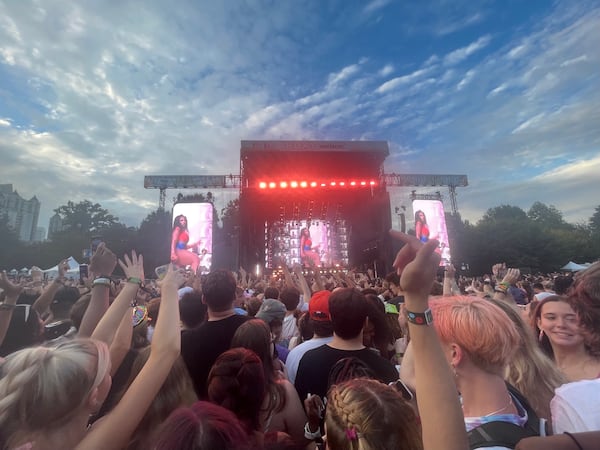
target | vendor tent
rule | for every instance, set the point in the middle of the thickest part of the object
(573, 267)
(73, 271)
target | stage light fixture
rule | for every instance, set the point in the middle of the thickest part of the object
(372, 183)
(294, 184)
(283, 184)
(333, 183)
(272, 184)
(323, 184)
(353, 183)
(342, 183)
(363, 183)
(313, 184)
(262, 185)
(303, 184)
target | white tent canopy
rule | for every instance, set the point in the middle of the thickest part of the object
(73, 271)
(574, 267)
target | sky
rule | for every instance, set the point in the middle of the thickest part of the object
(95, 95)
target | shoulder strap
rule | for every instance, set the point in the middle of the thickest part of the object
(502, 434)
(533, 421)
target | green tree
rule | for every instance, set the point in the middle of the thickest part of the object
(85, 217)
(153, 240)
(546, 216)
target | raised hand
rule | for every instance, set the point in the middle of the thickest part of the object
(512, 276)
(173, 278)
(10, 289)
(134, 267)
(63, 268)
(416, 264)
(103, 262)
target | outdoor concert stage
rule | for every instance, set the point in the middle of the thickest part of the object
(331, 188)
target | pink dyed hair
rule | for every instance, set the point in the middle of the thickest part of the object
(479, 327)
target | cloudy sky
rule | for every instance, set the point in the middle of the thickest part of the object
(95, 95)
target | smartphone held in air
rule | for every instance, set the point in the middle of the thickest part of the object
(161, 271)
(83, 271)
(405, 392)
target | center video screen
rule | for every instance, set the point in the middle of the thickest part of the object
(306, 243)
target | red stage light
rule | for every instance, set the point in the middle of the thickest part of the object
(283, 185)
(313, 184)
(353, 183)
(262, 185)
(363, 183)
(372, 183)
(323, 184)
(333, 183)
(272, 184)
(303, 184)
(342, 183)
(294, 184)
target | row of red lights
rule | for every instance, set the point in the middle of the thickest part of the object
(306, 184)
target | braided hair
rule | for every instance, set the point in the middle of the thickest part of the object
(44, 388)
(365, 414)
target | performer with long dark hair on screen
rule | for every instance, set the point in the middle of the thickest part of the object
(181, 250)
(309, 254)
(421, 227)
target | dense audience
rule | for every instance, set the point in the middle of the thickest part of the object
(303, 359)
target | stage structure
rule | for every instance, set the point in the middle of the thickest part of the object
(333, 192)
(313, 202)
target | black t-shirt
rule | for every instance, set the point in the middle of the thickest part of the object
(314, 367)
(201, 347)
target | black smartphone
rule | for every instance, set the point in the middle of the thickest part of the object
(405, 392)
(96, 241)
(83, 272)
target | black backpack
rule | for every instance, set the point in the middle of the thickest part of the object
(505, 434)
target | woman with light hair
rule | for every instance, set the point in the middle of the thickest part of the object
(48, 394)
(530, 370)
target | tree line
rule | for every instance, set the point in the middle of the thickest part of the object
(536, 240)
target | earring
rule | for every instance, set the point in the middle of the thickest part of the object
(541, 335)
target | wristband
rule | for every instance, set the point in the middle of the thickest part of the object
(424, 318)
(134, 280)
(502, 287)
(311, 435)
(101, 281)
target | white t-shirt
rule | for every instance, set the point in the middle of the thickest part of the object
(575, 407)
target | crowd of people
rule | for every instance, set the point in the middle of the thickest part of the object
(419, 359)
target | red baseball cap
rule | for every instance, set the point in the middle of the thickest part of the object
(318, 308)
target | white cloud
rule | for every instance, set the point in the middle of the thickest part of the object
(466, 79)
(375, 5)
(463, 53)
(386, 70)
(398, 81)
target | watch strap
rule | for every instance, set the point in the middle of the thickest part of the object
(424, 318)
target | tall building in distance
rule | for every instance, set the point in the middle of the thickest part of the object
(40, 234)
(55, 226)
(22, 214)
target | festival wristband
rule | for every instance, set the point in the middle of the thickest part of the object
(424, 318)
(134, 280)
(101, 281)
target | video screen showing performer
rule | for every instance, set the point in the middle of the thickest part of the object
(191, 236)
(430, 223)
(309, 243)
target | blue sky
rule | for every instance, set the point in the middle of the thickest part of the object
(95, 95)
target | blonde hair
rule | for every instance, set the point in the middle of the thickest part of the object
(365, 414)
(530, 370)
(479, 327)
(44, 388)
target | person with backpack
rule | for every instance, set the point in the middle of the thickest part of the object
(479, 340)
